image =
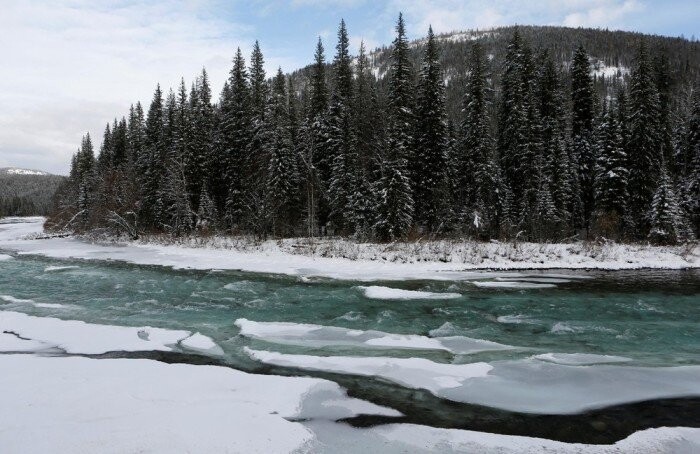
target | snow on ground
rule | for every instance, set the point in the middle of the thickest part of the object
(409, 438)
(68, 405)
(74, 336)
(526, 385)
(343, 259)
(378, 292)
(328, 336)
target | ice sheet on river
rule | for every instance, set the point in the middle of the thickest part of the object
(325, 336)
(68, 405)
(526, 385)
(75, 336)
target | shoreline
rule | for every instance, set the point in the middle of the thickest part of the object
(348, 260)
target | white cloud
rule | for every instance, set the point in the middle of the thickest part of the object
(609, 14)
(70, 66)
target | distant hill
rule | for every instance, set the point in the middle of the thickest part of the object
(26, 192)
(611, 54)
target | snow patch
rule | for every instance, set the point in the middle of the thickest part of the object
(4, 257)
(50, 269)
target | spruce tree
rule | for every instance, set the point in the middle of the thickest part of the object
(582, 115)
(430, 168)
(235, 134)
(689, 164)
(152, 161)
(395, 208)
(85, 170)
(476, 177)
(340, 138)
(645, 143)
(282, 170)
(611, 176)
(665, 217)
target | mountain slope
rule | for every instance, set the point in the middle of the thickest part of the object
(25, 192)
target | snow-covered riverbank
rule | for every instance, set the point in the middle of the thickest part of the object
(342, 259)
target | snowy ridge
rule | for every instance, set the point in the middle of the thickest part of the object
(18, 171)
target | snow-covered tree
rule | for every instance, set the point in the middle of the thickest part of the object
(666, 219)
(431, 193)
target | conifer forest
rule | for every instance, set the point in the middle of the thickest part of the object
(512, 133)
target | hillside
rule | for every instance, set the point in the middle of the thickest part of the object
(611, 54)
(25, 192)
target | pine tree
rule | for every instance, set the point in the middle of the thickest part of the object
(644, 141)
(582, 115)
(611, 176)
(235, 132)
(395, 209)
(517, 133)
(152, 161)
(314, 163)
(282, 171)
(476, 178)
(430, 169)
(85, 172)
(366, 123)
(340, 137)
(689, 164)
(665, 217)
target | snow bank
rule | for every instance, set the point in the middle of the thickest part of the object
(75, 336)
(421, 439)
(129, 405)
(327, 336)
(386, 293)
(338, 259)
(527, 385)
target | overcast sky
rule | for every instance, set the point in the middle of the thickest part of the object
(69, 66)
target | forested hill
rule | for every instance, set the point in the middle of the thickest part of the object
(538, 133)
(26, 192)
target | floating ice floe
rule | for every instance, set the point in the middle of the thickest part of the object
(202, 343)
(511, 284)
(386, 293)
(518, 319)
(74, 336)
(50, 269)
(540, 280)
(327, 336)
(13, 300)
(580, 359)
(527, 385)
(5, 257)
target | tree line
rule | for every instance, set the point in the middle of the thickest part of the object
(537, 155)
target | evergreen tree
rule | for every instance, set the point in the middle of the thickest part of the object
(689, 164)
(395, 210)
(282, 171)
(476, 179)
(611, 176)
(202, 128)
(430, 168)
(666, 219)
(582, 114)
(340, 137)
(236, 129)
(644, 141)
(152, 162)
(85, 168)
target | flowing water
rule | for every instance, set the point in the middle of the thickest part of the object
(650, 318)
